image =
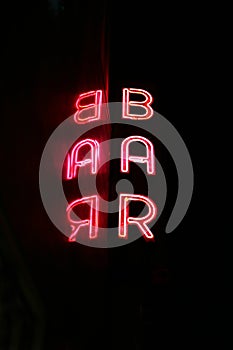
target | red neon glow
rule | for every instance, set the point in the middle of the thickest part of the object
(141, 222)
(125, 157)
(146, 104)
(96, 106)
(92, 222)
(72, 160)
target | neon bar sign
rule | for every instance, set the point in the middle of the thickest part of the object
(74, 162)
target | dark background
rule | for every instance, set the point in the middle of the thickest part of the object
(58, 295)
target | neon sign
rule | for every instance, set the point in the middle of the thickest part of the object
(74, 161)
(125, 157)
(141, 222)
(78, 157)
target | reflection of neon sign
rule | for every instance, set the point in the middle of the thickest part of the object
(73, 161)
(92, 221)
(141, 222)
(96, 106)
(92, 111)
